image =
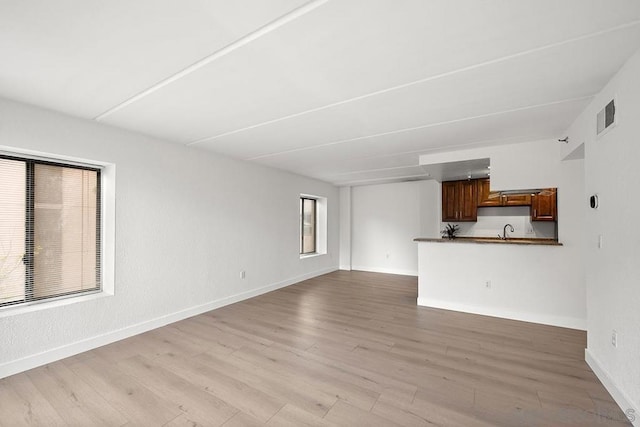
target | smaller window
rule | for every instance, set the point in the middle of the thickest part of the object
(308, 221)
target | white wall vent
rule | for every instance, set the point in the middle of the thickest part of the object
(606, 118)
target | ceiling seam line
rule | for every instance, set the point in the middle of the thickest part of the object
(481, 116)
(375, 170)
(338, 184)
(237, 44)
(416, 82)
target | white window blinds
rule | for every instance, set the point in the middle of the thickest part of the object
(49, 230)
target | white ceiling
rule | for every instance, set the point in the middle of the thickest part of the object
(347, 91)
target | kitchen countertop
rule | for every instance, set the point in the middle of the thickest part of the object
(495, 240)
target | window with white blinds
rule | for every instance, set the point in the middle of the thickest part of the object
(49, 230)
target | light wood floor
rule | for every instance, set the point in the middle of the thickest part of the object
(347, 348)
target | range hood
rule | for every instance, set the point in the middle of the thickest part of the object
(531, 191)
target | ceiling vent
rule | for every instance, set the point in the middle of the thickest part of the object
(606, 118)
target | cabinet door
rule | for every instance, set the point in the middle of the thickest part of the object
(516, 200)
(468, 200)
(449, 205)
(485, 196)
(544, 205)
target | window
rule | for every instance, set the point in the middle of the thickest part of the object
(49, 230)
(308, 225)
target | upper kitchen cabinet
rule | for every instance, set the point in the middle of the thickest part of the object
(449, 201)
(460, 200)
(544, 205)
(486, 197)
(516, 200)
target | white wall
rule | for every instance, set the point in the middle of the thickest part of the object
(529, 283)
(430, 208)
(385, 220)
(613, 271)
(345, 228)
(187, 222)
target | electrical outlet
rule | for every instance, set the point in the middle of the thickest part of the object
(487, 284)
(614, 338)
(242, 274)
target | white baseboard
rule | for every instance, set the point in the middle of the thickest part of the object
(544, 319)
(385, 270)
(49, 356)
(628, 407)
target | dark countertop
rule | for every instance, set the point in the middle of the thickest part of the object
(494, 240)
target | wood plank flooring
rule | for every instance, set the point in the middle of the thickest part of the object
(343, 349)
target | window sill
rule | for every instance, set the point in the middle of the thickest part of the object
(14, 310)
(313, 255)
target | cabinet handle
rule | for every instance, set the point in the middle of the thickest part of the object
(534, 213)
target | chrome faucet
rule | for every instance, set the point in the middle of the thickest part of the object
(504, 231)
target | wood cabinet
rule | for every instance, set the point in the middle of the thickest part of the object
(460, 200)
(468, 201)
(544, 205)
(486, 197)
(516, 200)
(449, 201)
